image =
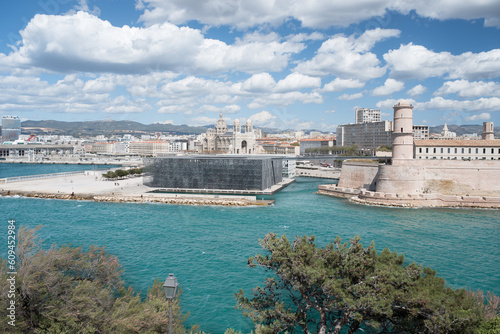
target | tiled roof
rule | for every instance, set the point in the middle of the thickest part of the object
(457, 143)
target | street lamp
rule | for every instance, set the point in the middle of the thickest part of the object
(170, 287)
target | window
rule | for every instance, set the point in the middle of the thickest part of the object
(434, 150)
(401, 129)
(426, 150)
(420, 150)
(484, 151)
(463, 150)
(448, 150)
(455, 150)
(441, 150)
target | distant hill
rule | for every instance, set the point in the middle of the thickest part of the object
(108, 128)
(94, 128)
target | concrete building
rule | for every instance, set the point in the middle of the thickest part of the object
(366, 136)
(11, 128)
(365, 115)
(34, 151)
(149, 147)
(420, 132)
(214, 172)
(309, 144)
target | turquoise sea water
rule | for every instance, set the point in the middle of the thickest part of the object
(11, 170)
(207, 247)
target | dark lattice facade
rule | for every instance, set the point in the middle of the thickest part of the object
(202, 172)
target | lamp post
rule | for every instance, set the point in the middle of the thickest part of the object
(170, 287)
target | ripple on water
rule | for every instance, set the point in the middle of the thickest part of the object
(207, 247)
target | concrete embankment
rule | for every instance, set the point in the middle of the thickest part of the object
(363, 196)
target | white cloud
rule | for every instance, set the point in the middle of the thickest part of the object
(416, 61)
(203, 120)
(297, 81)
(302, 37)
(469, 89)
(481, 104)
(83, 42)
(263, 118)
(338, 85)
(348, 57)
(285, 99)
(479, 117)
(417, 90)
(389, 103)
(312, 14)
(349, 97)
(390, 86)
(259, 83)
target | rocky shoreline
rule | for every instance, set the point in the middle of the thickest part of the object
(142, 199)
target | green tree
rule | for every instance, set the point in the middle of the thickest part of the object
(69, 290)
(109, 175)
(121, 173)
(346, 287)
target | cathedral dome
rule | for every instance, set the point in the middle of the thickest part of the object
(220, 125)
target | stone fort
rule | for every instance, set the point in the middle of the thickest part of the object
(417, 182)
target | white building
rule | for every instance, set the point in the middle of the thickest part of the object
(365, 115)
(220, 140)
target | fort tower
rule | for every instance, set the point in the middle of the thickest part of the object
(402, 136)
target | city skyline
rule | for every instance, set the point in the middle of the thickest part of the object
(299, 65)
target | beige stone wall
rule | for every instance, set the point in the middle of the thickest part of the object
(357, 175)
(445, 177)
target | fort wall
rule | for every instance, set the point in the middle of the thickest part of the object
(358, 175)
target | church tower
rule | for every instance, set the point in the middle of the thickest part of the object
(402, 136)
(488, 132)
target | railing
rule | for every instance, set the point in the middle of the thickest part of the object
(39, 177)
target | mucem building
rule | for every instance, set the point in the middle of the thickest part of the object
(214, 172)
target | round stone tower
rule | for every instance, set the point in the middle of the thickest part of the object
(402, 136)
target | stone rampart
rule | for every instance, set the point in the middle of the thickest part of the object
(358, 175)
(448, 177)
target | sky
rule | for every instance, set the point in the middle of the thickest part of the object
(295, 64)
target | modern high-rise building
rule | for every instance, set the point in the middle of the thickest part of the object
(365, 136)
(11, 128)
(364, 115)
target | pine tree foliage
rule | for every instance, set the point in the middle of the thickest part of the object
(348, 288)
(69, 290)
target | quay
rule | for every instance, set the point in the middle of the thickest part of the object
(90, 185)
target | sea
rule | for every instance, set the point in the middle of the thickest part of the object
(207, 247)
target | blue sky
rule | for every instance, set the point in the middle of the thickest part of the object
(294, 64)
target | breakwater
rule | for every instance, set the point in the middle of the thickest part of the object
(166, 199)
